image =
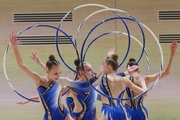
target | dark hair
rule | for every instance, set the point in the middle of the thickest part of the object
(79, 65)
(112, 61)
(132, 61)
(52, 61)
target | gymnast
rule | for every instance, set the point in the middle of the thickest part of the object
(135, 108)
(49, 86)
(82, 106)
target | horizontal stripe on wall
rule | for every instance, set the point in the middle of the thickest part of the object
(41, 17)
(43, 40)
(169, 15)
(167, 38)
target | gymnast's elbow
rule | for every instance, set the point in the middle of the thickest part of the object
(21, 64)
(167, 73)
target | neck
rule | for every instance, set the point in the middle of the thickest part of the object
(82, 78)
(48, 79)
(112, 73)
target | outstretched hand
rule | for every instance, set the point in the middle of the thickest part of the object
(103, 66)
(173, 47)
(35, 56)
(111, 52)
(13, 39)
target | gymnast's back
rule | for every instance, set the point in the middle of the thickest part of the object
(115, 85)
(112, 86)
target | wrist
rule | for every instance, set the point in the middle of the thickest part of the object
(39, 62)
(172, 54)
(98, 74)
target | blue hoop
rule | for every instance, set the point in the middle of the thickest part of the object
(107, 33)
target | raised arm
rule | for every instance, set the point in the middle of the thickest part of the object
(152, 78)
(111, 52)
(24, 68)
(134, 87)
(37, 60)
(102, 70)
(70, 83)
(64, 81)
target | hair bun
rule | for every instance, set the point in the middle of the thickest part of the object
(114, 57)
(132, 60)
(51, 57)
(76, 62)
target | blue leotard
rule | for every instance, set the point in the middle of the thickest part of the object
(70, 104)
(136, 110)
(113, 110)
(87, 100)
(50, 96)
(50, 99)
(120, 74)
